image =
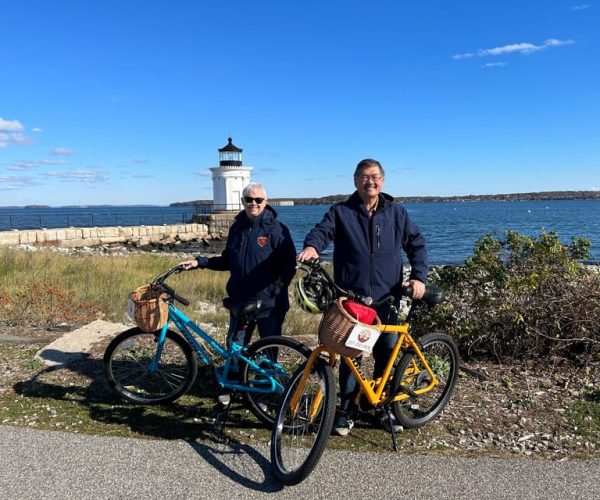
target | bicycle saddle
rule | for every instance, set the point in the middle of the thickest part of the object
(242, 310)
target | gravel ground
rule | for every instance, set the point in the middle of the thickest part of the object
(548, 409)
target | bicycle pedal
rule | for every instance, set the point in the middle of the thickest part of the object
(406, 390)
(224, 400)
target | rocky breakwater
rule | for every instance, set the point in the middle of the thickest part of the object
(165, 235)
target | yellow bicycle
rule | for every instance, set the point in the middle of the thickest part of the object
(417, 382)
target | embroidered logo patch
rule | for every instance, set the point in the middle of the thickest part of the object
(262, 241)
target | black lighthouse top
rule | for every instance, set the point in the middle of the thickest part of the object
(230, 155)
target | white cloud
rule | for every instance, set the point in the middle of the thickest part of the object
(463, 56)
(10, 126)
(14, 182)
(140, 161)
(12, 132)
(27, 164)
(89, 176)
(21, 165)
(521, 48)
(53, 162)
(493, 64)
(36, 129)
(62, 151)
(204, 173)
(583, 6)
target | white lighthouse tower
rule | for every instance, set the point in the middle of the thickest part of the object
(229, 178)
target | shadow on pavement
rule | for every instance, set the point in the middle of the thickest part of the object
(196, 421)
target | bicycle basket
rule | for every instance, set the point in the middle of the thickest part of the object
(147, 308)
(335, 328)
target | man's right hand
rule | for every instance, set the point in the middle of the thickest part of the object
(309, 253)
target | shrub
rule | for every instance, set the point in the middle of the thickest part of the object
(519, 297)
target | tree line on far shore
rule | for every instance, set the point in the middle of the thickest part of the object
(335, 198)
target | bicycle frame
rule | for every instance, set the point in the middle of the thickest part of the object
(373, 390)
(234, 353)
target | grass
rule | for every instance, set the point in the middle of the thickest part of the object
(78, 399)
(76, 289)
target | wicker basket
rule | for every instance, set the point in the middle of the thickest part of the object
(148, 309)
(335, 328)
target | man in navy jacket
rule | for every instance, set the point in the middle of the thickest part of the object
(369, 231)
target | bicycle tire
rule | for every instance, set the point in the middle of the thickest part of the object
(297, 441)
(128, 356)
(442, 356)
(289, 355)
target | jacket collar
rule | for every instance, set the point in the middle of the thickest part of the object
(267, 218)
(385, 200)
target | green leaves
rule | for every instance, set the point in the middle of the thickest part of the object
(521, 296)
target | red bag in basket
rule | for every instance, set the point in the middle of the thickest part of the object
(360, 312)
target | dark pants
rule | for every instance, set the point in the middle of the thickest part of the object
(267, 326)
(381, 352)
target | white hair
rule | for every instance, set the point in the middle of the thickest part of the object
(254, 186)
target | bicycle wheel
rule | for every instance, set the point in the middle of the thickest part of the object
(126, 366)
(299, 437)
(441, 355)
(280, 357)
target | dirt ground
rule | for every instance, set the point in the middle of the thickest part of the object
(549, 409)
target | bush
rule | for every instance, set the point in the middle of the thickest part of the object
(521, 297)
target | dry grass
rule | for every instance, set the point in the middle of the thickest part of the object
(48, 288)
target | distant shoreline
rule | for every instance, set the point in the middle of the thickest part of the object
(328, 200)
(538, 196)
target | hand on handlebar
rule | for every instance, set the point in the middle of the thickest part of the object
(418, 289)
(188, 265)
(309, 253)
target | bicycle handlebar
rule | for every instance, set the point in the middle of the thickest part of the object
(433, 295)
(159, 283)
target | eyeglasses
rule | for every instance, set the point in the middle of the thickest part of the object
(249, 199)
(374, 178)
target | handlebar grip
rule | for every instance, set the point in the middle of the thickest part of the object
(181, 299)
(433, 295)
(174, 294)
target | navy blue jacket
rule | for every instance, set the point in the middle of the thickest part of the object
(367, 254)
(261, 257)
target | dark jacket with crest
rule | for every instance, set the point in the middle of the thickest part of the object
(261, 257)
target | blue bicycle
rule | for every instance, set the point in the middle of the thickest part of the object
(156, 367)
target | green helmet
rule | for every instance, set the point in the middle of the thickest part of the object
(313, 294)
(305, 299)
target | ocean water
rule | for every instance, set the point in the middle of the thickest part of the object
(451, 228)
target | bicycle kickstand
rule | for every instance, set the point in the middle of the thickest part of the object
(388, 414)
(223, 416)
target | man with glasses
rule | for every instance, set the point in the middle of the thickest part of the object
(261, 258)
(369, 231)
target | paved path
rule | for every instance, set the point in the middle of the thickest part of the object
(42, 464)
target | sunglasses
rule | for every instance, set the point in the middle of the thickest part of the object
(249, 199)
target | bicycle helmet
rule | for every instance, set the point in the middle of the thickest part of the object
(313, 295)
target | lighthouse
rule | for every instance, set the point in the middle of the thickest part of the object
(229, 178)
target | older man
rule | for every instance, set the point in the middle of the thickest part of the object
(369, 231)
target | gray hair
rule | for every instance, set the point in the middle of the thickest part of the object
(252, 187)
(367, 163)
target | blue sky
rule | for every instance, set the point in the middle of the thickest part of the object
(126, 102)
